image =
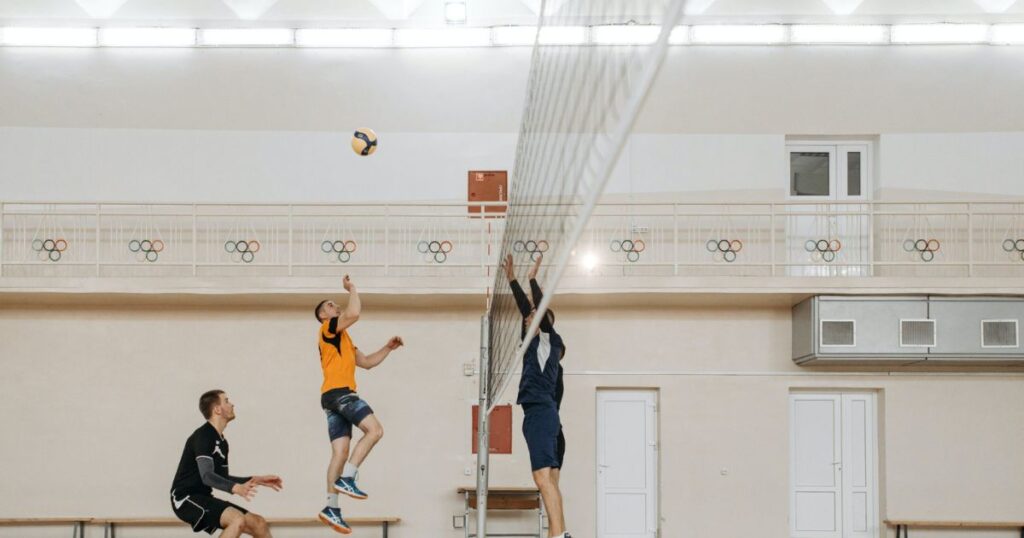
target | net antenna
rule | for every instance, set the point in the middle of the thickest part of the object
(593, 63)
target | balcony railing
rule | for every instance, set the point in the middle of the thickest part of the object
(838, 239)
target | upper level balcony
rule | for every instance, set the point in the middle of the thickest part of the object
(446, 249)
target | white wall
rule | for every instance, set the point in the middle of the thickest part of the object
(273, 125)
(230, 166)
(98, 401)
(984, 163)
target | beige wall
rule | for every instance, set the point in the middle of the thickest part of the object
(96, 404)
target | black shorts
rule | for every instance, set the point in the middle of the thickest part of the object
(202, 512)
(344, 409)
(540, 428)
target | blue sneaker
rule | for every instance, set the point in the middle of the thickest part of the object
(348, 487)
(332, 518)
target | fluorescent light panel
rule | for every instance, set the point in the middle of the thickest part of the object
(255, 37)
(563, 35)
(738, 34)
(514, 36)
(680, 36)
(935, 34)
(345, 37)
(811, 34)
(1008, 34)
(442, 37)
(49, 37)
(623, 34)
(757, 34)
(147, 37)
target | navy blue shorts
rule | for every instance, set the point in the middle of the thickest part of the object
(541, 427)
(344, 410)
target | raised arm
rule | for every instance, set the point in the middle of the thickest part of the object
(535, 290)
(351, 313)
(377, 357)
(538, 294)
(517, 291)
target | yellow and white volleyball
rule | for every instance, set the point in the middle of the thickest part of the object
(364, 142)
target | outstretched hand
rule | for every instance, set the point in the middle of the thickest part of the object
(509, 267)
(273, 482)
(246, 491)
(536, 266)
(395, 343)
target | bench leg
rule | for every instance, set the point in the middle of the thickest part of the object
(385, 529)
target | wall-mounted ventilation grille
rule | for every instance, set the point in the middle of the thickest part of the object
(999, 333)
(917, 333)
(838, 333)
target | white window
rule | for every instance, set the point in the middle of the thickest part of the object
(827, 170)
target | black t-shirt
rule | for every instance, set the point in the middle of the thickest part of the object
(205, 442)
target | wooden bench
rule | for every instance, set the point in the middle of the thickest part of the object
(77, 524)
(110, 525)
(507, 498)
(905, 525)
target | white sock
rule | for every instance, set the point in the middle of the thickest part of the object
(350, 470)
(332, 500)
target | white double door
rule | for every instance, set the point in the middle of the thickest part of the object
(627, 464)
(833, 466)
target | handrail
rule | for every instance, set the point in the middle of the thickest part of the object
(871, 238)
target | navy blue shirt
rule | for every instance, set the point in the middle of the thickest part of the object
(541, 369)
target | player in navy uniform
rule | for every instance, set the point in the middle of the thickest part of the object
(538, 387)
(204, 467)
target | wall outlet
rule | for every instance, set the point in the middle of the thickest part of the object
(469, 369)
(468, 471)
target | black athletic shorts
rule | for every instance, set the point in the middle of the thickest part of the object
(201, 512)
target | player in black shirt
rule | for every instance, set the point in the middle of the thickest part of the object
(204, 467)
(540, 395)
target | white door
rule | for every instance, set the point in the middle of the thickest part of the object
(627, 470)
(829, 234)
(833, 476)
(858, 466)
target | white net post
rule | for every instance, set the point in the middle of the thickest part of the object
(483, 445)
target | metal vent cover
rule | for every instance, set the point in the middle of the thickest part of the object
(999, 333)
(838, 333)
(917, 333)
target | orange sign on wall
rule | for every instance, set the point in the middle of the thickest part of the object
(500, 426)
(487, 186)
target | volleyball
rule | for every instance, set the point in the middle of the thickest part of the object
(364, 142)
